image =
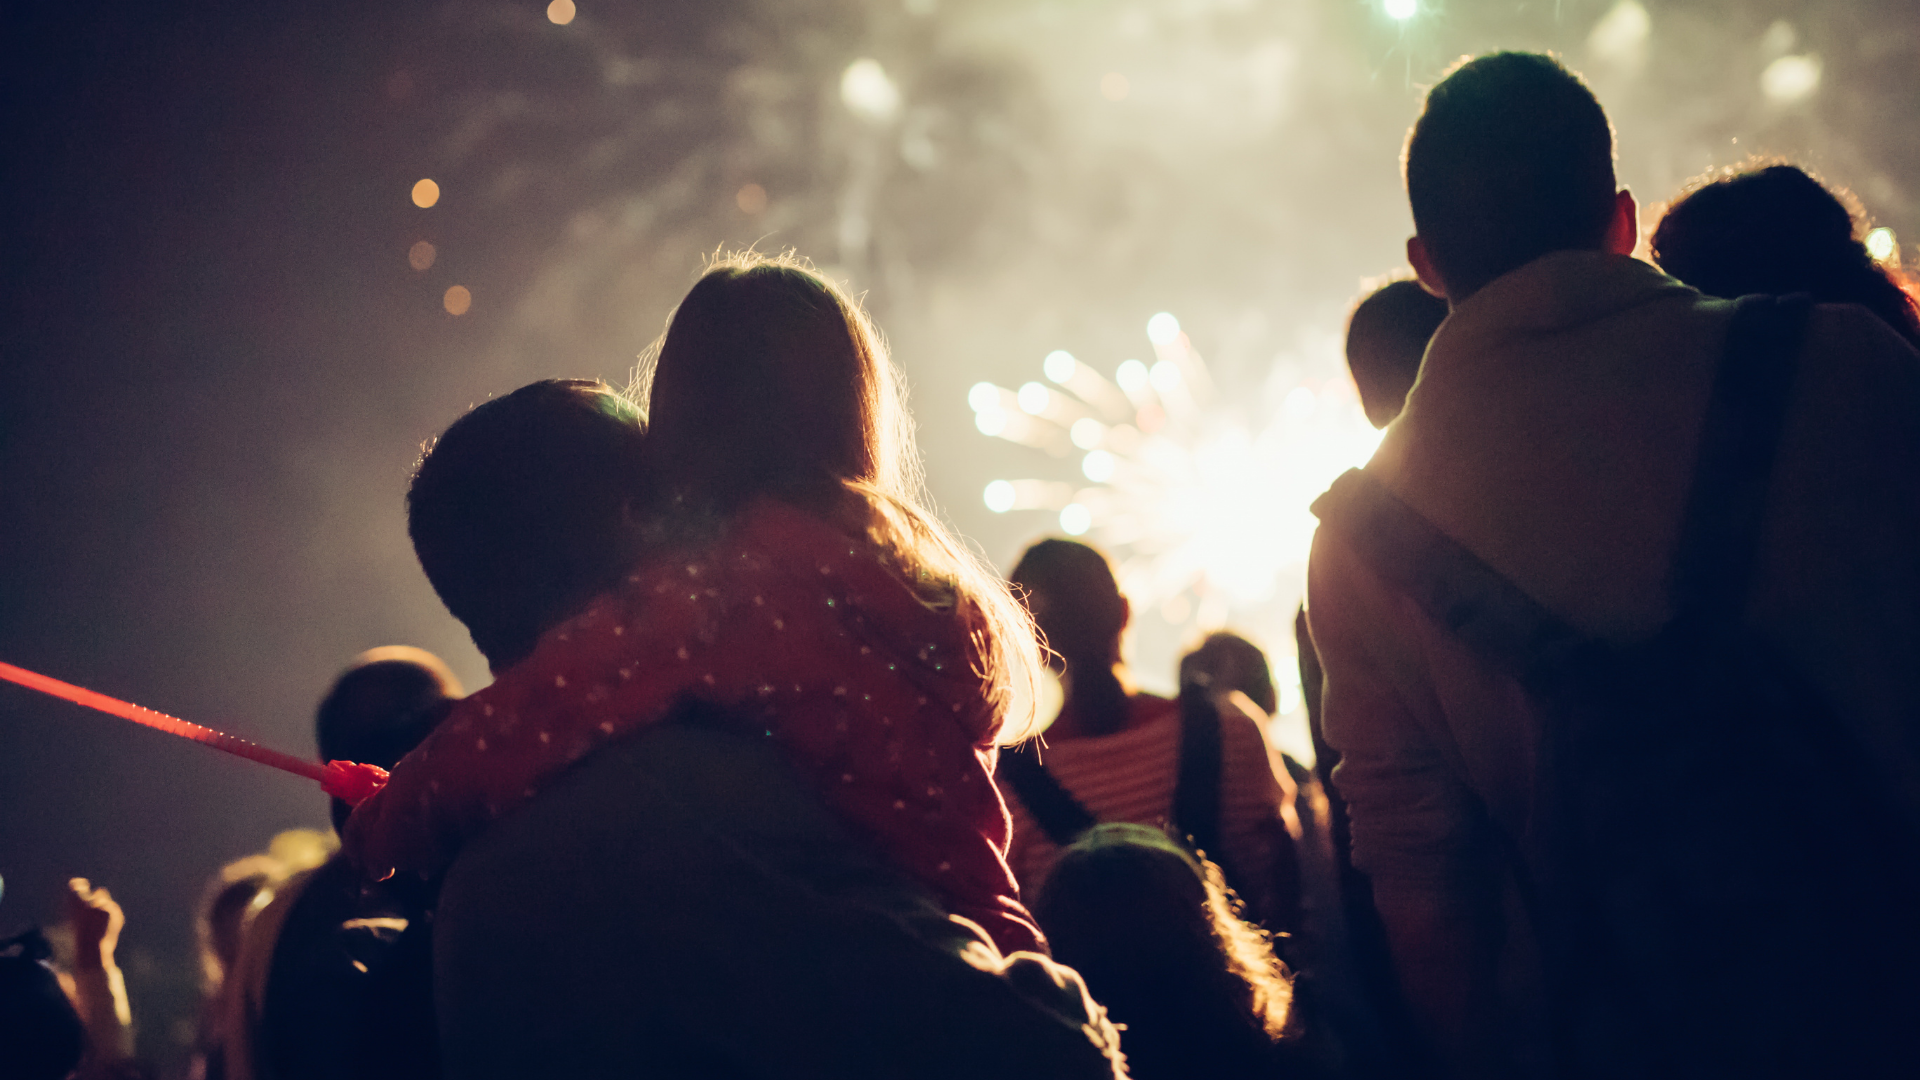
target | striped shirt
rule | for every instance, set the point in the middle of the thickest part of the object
(1130, 776)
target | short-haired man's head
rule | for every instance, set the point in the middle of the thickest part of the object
(1773, 228)
(1511, 159)
(1075, 600)
(381, 707)
(1387, 338)
(521, 512)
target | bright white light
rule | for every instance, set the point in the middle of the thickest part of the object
(1087, 433)
(1165, 376)
(1298, 404)
(1402, 9)
(1075, 519)
(1098, 466)
(990, 421)
(1791, 78)
(999, 496)
(1132, 377)
(1059, 365)
(1034, 398)
(868, 93)
(1620, 37)
(1881, 244)
(1163, 329)
(983, 396)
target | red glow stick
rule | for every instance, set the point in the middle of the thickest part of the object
(346, 780)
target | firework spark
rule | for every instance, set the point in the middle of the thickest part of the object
(1203, 506)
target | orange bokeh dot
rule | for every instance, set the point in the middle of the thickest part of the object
(425, 194)
(421, 255)
(751, 199)
(457, 300)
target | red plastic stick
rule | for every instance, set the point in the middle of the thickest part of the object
(343, 779)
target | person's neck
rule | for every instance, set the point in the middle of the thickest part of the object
(1095, 705)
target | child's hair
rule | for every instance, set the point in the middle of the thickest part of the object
(771, 381)
(1156, 934)
(519, 512)
(1771, 227)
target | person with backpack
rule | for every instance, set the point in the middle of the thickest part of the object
(1118, 754)
(1619, 629)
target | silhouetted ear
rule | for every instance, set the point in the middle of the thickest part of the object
(1423, 267)
(1623, 232)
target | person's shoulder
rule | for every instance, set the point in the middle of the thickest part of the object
(1849, 333)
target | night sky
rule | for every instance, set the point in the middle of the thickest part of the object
(217, 364)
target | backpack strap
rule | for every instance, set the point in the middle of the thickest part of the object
(1739, 441)
(1196, 790)
(1061, 816)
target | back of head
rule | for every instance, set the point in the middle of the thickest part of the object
(520, 512)
(1153, 932)
(41, 1035)
(1226, 662)
(1387, 337)
(1511, 159)
(1075, 601)
(381, 707)
(1775, 229)
(770, 380)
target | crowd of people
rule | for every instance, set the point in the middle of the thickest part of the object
(1608, 659)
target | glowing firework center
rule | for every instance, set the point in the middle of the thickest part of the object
(1204, 506)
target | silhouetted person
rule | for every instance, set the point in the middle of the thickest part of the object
(348, 984)
(1775, 229)
(41, 1035)
(1154, 932)
(1493, 599)
(681, 902)
(1387, 335)
(1118, 754)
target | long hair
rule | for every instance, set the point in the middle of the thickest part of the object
(1158, 937)
(1768, 226)
(771, 381)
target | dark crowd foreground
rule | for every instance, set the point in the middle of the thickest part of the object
(1607, 654)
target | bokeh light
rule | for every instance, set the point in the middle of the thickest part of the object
(1034, 399)
(1163, 329)
(458, 300)
(868, 92)
(421, 255)
(1075, 519)
(1791, 79)
(1402, 10)
(425, 194)
(560, 12)
(1883, 245)
(1059, 365)
(999, 496)
(751, 198)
